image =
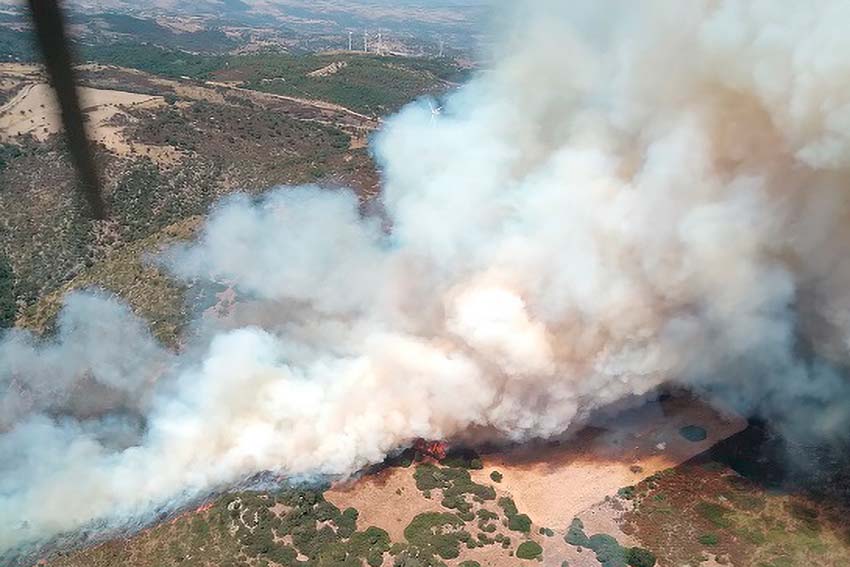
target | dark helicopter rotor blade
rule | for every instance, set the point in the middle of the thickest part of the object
(50, 30)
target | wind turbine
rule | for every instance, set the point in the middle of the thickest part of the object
(435, 111)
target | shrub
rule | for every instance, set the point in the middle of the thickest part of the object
(515, 521)
(463, 458)
(200, 528)
(432, 531)
(496, 476)
(457, 503)
(326, 511)
(807, 516)
(715, 513)
(470, 564)
(608, 552)
(693, 433)
(507, 504)
(519, 523)
(640, 557)
(575, 534)
(528, 550)
(627, 492)
(708, 539)
(346, 523)
(370, 540)
(403, 459)
(428, 477)
(375, 558)
(282, 554)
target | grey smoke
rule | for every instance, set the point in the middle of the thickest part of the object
(631, 195)
(101, 359)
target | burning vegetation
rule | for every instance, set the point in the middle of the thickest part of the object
(436, 450)
(628, 197)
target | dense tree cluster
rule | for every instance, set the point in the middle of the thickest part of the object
(608, 551)
(516, 521)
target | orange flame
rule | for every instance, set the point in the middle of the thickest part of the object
(434, 449)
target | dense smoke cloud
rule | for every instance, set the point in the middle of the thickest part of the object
(632, 194)
(102, 359)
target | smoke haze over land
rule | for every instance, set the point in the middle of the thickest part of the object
(633, 194)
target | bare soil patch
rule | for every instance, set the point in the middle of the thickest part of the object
(34, 111)
(553, 483)
(388, 500)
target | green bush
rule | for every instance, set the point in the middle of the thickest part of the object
(516, 521)
(429, 477)
(528, 550)
(715, 513)
(708, 539)
(433, 531)
(575, 534)
(373, 539)
(467, 516)
(457, 503)
(463, 458)
(467, 486)
(469, 564)
(693, 433)
(455, 484)
(403, 459)
(282, 554)
(484, 527)
(508, 505)
(519, 523)
(627, 492)
(640, 557)
(608, 551)
(496, 476)
(347, 522)
(8, 152)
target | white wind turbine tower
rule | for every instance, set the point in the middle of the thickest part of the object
(380, 45)
(349, 41)
(435, 112)
(365, 42)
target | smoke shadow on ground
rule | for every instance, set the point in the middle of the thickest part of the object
(762, 455)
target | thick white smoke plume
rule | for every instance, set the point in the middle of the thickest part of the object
(634, 193)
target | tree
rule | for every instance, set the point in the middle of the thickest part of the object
(640, 557)
(7, 294)
(519, 523)
(528, 550)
